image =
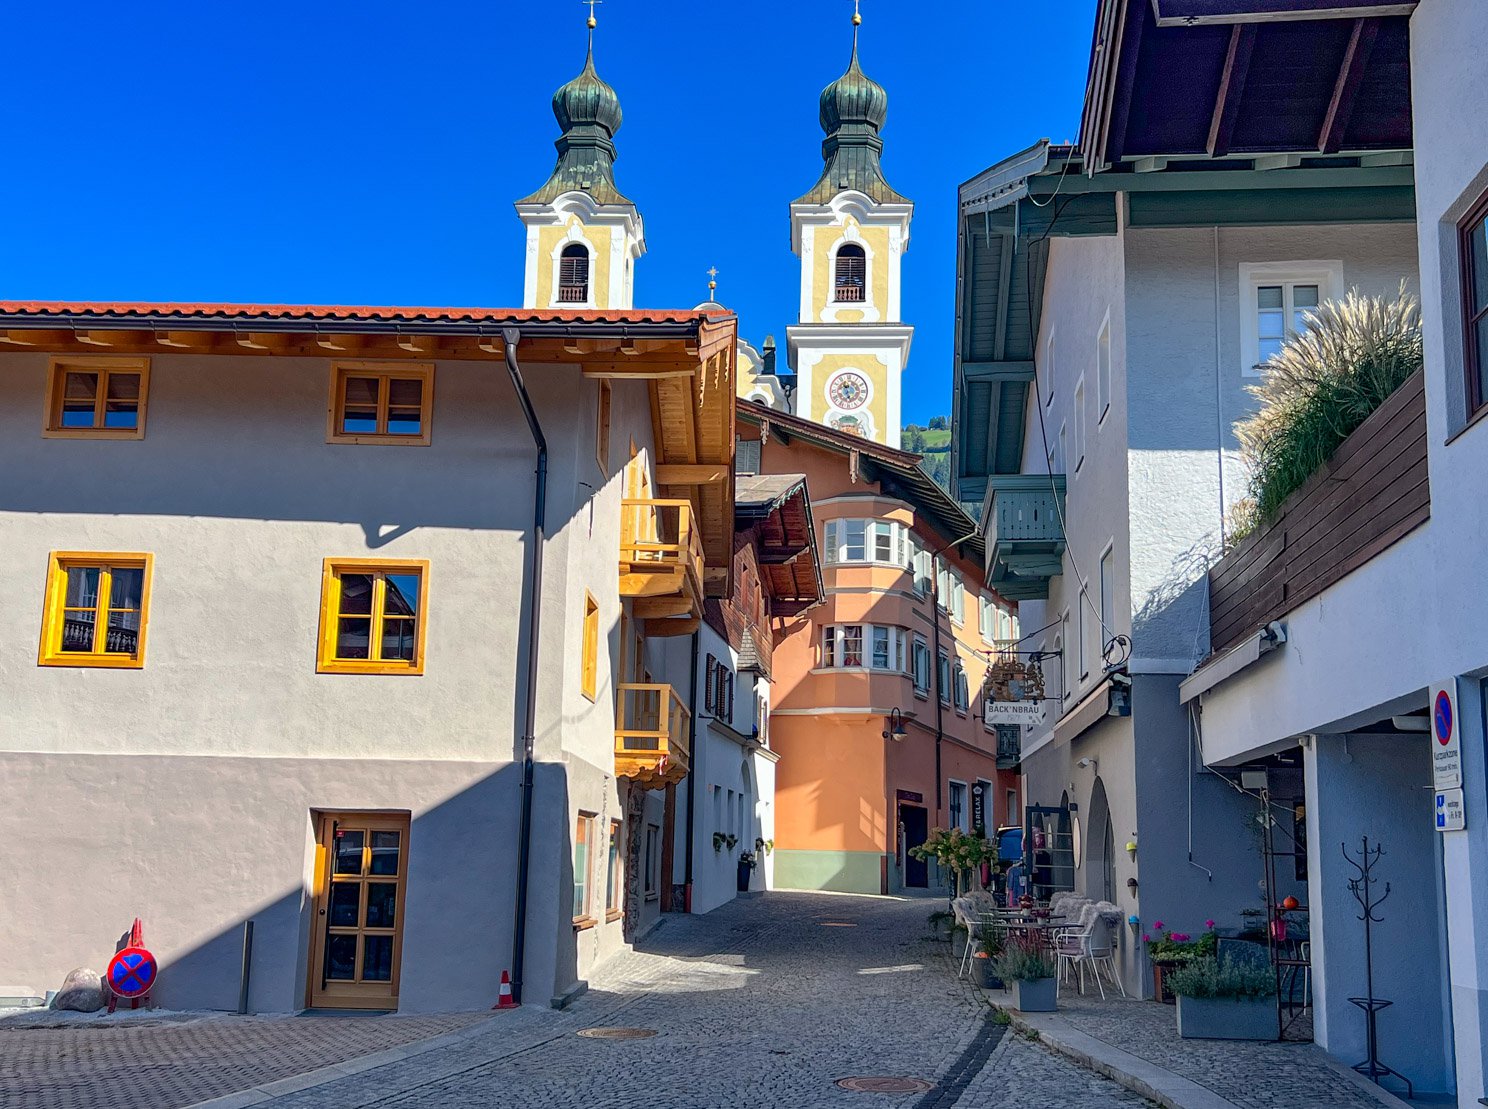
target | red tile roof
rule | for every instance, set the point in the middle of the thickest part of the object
(321, 313)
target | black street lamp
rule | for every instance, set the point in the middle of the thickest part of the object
(895, 729)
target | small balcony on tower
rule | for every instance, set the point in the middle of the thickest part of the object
(650, 735)
(1022, 517)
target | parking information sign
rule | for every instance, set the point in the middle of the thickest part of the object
(1450, 816)
(1446, 746)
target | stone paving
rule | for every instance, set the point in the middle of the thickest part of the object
(1247, 1074)
(148, 1061)
(764, 1002)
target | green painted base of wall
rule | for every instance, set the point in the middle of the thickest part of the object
(841, 871)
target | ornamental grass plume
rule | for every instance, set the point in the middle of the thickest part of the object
(1322, 385)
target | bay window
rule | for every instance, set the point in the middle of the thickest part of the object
(843, 645)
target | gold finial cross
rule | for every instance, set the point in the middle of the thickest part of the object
(592, 21)
(712, 280)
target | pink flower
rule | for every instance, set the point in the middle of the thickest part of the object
(1180, 937)
(1158, 925)
(1146, 938)
(1209, 924)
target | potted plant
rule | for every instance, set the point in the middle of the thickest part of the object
(747, 864)
(1029, 974)
(958, 853)
(984, 962)
(1229, 1000)
(1168, 950)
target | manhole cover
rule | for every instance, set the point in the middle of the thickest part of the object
(886, 1085)
(617, 1033)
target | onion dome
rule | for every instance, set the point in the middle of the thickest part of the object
(853, 110)
(588, 111)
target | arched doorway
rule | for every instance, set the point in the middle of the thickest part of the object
(1100, 847)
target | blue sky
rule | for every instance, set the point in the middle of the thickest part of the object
(331, 152)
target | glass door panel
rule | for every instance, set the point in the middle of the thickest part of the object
(358, 937)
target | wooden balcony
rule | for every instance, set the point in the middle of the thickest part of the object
(661, 564)
(1025, 535)
(1366, 498)
(651, 747)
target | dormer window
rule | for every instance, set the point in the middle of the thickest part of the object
(852, 274)
(573, 275)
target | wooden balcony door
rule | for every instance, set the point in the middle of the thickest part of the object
(357, 935)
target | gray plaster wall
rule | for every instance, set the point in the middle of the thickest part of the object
(1186, 390)
(1377, 785)
(239, 497)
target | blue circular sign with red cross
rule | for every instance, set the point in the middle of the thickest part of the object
(1441, 717)
(131, 972)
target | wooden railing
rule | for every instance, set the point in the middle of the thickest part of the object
(650, 733)
(657, 536)
(1367, 497)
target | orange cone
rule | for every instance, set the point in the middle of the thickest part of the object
(504, 1000)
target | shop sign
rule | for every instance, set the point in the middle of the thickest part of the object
(979, 809)
(1446, 739)
(1013, 712)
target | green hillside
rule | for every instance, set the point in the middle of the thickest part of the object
(934, 442)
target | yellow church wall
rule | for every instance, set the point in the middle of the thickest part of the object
(599, 241)
(871, 366)
(876, 241)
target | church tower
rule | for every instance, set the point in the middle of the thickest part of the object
(583, 235)
(850, 231)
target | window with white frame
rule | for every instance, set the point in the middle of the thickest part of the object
(1082, 602)
(1061, 645)
(986, 618)
(1103, 370)
(943, 677)
(921, 665)
(956, 805)
(879, 541)
(1061, 452)
(960, 688)
(871, 646)
(951, 590)
(1079, 424)
(1275, 298)
(920, 564)
(1049, 374)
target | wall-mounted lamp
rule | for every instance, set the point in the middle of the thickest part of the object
(1087, 764)
(894, 728)
(1131, 849)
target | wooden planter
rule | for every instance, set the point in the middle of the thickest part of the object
(1160, 991)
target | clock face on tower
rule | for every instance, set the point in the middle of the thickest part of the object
(848, 391)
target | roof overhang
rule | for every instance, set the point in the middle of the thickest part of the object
(685, 359)
(1220, 77)
(777, 508)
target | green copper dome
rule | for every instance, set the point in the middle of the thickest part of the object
(588, 111)
(853, 110)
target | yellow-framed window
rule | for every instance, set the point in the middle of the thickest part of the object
(583, 872)
(614, 884)
(96, 609)
(96, 397)
(381, 402)
(372, 616)
(591, 646)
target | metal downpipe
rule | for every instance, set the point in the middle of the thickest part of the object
(511, 337)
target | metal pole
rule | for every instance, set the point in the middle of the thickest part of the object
(247, 967)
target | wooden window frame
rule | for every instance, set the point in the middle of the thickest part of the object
(412, 371)
(590, 671)
(602, 428)
(1474, 361)
(614, 877)
(50, 652)
(103, 365)
(586, 918)
(330, 611)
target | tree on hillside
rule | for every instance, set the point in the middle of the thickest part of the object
(939, 423)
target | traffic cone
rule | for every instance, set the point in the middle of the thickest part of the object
(504, 1000)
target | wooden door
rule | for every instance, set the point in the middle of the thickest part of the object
(357, 935)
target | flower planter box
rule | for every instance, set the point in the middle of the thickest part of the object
(1227, 1018)
(1160, 991)
(1036, 996)
(982, 974)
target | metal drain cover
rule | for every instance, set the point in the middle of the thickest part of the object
(886, 1085)
(617, 1033)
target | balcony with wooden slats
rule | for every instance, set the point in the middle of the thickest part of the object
(651, 746)
(661, 564)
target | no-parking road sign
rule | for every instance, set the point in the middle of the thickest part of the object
(1446, 745)
(131, 972)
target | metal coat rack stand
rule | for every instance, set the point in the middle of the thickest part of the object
(1362, 889)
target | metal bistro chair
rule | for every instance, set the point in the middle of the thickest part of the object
(1098, 951)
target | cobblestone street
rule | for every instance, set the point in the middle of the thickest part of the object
(765, 1002)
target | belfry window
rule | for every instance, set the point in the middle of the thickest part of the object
(852, 273)
(573, 275)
